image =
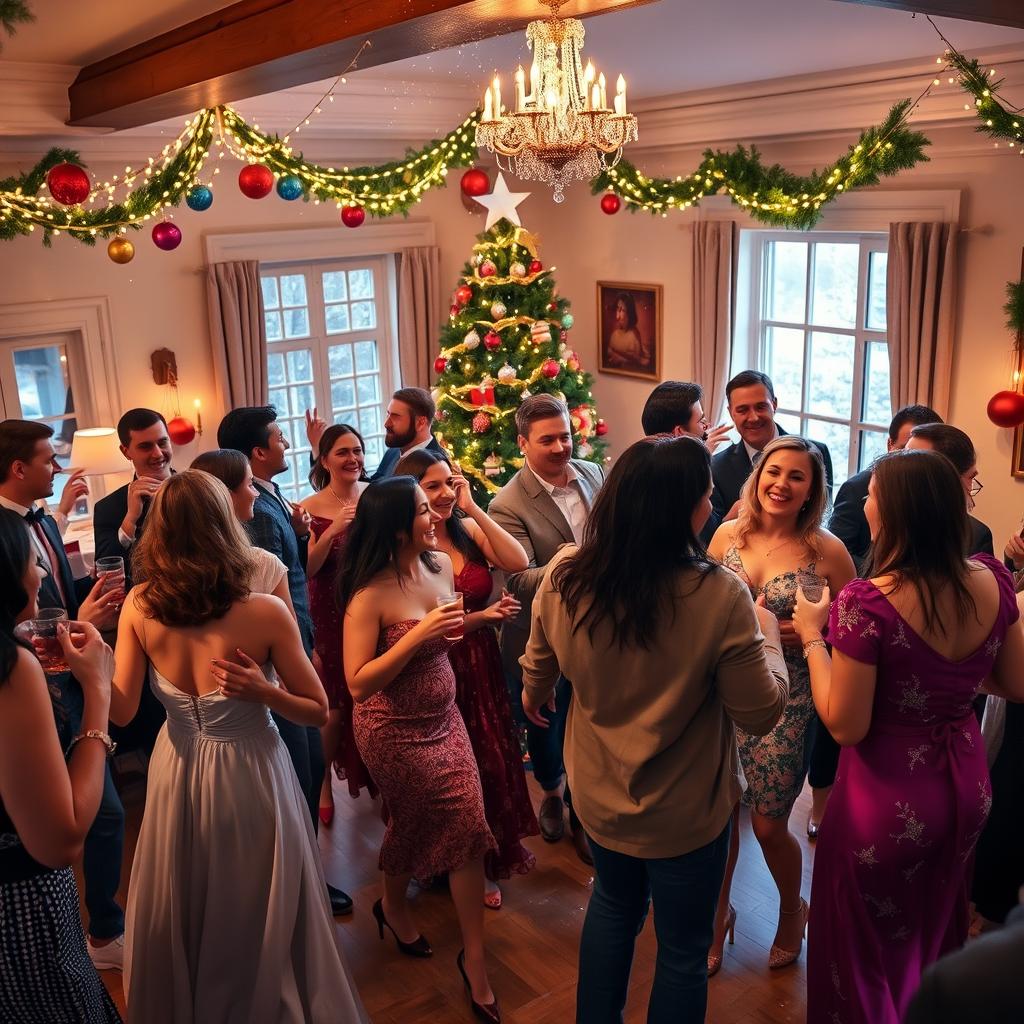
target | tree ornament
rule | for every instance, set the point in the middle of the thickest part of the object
(441, 415)
(199, 198)
(435, 395)
(585, 451)
(526, 392)
(601, 428)
(550, 369)
(68, 183)
(492, 465)
(256, 181)
(498, 310)
(180, 430)
(167, 236)
(536, 266)
(439, 364)
(507, 374)
(453, 312)
(568, 320)
(610, 203)
(492, 341)
(582, 420)
(477, 259)
(471, 340)
(463, 294)
(352, 216)
(553, 307)
(121, 250)
(475, 182)
(483, 395)
(540, 332)
(488, 269)
(289, 187)
(481, 423)
(573, 362)
(1006, 409)
(517, 270)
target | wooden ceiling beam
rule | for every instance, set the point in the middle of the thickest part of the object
(256, 47)
(993, 12)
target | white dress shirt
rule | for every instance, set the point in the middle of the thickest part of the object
(22, 511)
(569, 500)
(754, 454)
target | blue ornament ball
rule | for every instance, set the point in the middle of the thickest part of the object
(199, 198)
(568, 321)
(289, 187)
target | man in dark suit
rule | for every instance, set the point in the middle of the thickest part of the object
(980, 982)
(283, 529)
(27, 468)
(407, 427)
(544, 506)
(848, 522)
(675, 407)
(752, 404)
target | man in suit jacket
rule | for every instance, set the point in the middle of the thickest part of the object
(544, 506)
(282, 529)
(848, 522)
(27, 468)
(411, 411)
(674, 407)
(752, 404)
(980, 982)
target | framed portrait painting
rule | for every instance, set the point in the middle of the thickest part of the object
(629, 329)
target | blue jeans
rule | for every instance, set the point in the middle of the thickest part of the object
(545, 746)
(684, 890)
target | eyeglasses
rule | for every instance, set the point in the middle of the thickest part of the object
(975, 488)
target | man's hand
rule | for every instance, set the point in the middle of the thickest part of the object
(140, 490)
(315, 428)
(300, 520)
(718, 436)
(1014, 551)
(75, 488)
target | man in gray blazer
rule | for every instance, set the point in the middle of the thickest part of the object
(544, 506)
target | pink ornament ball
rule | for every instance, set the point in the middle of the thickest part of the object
(166, 235)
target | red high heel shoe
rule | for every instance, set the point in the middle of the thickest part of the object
(488, 1012)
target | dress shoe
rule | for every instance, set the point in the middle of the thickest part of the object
(552, 819)
(579, 840)
(341, 902)
(109, 956)
(482, 1011)
(419, 946)
(813, 827)
(779, 957)
(492, 899)
(715, 958)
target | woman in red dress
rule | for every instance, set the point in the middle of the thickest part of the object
(475, 543)
(339, 477)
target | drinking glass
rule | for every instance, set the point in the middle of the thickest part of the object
(41, 633)
(452, 601)
(113, 567)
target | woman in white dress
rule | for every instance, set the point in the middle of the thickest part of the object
(228, 918)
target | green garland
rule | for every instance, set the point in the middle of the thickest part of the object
(994, 119)
(774, 195)
(14, 13)
(1014, 309)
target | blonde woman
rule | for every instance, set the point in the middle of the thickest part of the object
(776, 546)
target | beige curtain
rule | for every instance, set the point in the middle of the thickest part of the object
(419, 313)
(921, 310)
(237, 332)
(712, 310)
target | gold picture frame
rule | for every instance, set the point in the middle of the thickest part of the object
(629, 341)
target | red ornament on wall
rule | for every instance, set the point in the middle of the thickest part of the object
(439, 364)
(463, 294)
(352, 216)
(475, 182)
(1006, 409)
(256, 181)
(610, 203)
(180, 430)
(68, 184)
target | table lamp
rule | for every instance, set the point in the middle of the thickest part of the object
(97, 452)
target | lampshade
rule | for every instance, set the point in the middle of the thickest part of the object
(96, 450)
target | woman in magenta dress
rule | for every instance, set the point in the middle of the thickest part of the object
(339, 477)
(475, 542)
(392, 585)
(911, 648)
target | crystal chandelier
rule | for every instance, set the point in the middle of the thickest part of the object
(563, 129)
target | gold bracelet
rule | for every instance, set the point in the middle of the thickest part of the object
(811, 644)
(93, 734)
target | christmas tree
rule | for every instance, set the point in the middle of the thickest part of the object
(507, 337)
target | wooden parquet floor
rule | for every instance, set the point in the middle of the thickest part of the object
(533, 940)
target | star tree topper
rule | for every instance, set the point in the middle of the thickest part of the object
(502, 203)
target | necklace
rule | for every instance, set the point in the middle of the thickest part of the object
(340, 500)
(771, 551)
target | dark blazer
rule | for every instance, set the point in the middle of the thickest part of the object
(271, 529)
(981, 538)
(729, 471)
(848, 522)
(392, 455)
(980, 982)
(107, 517)
(75, 590)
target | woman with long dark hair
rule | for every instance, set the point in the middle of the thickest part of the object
(46, 806)
(474, 543)
(339, 476)
(396, 591)
(667, 653)
(911, 646)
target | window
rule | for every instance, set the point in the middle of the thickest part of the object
(818, 330)
(328, 345)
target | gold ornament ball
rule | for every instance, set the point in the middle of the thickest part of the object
(121, 250)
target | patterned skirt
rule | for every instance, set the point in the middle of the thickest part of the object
(46, 976)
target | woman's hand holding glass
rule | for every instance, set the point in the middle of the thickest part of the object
(810, 617)
(506, 607)
(89, 657)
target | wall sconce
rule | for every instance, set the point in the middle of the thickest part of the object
(165, 372)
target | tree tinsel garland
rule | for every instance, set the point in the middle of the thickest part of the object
(14, 13)
(994, 118)
(774, 195)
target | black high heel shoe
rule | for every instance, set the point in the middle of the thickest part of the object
(482, 1011)
(418, 947)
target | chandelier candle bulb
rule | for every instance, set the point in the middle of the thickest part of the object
(520, 89)
(620, 90)
(604, 94)
(497, 96)
(595, 100)
(488, 112)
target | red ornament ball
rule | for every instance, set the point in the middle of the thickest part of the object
(481, 423)
(492, 341)
(610, 203)
(488, 269)
(552, 307)
(550, 369)
(453, 312)
(463, 294)
(167, 236)
(535, 267)
(180, 430)
(68, 184)
(1006, 409)
(256, 181)
(475, 182)
(352, 216)
(601, 428)
(439, 364)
